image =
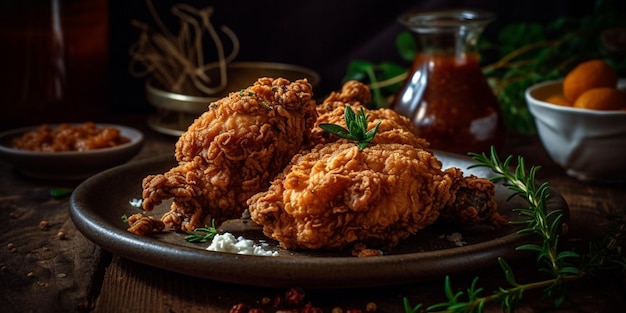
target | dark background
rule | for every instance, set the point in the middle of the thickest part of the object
(322, 35)
(92, 63)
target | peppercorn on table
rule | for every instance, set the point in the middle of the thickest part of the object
(47, 265)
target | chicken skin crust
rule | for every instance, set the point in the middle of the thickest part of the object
(233, 151)
(394, 128)
(337, 195)
(352, 93)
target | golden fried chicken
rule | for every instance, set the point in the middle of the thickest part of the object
(352, 93)
(233, 151)
(394, 128)
(337, 195)
(473, 204)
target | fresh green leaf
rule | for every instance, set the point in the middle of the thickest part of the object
(356, 128)
(408, 308)
(357, 70)
(337, 130)
(60, 192)
(406, 45)
(388, 71)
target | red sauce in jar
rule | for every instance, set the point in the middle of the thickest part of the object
(458, 111)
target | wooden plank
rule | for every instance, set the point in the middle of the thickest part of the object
(148, 289)
(41, 272)
(73, 275)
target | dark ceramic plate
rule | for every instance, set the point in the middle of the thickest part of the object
(98, 204)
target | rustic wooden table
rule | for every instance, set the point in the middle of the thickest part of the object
(47, 265)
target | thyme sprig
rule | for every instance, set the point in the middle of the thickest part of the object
(202, 234)
(545, 224)
(356, 128)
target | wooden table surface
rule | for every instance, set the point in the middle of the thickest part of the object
(42, 270)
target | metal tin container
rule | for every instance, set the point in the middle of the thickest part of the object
(175, 111)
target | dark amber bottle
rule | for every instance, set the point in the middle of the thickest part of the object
(446, 95)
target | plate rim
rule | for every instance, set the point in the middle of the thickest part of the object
(345, 272)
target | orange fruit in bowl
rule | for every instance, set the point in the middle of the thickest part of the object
(602, 98)
(558, 100)
(587, 75)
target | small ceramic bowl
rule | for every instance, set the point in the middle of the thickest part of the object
(589, 144)
(69, 165)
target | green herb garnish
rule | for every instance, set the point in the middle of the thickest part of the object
(546, 224)
(357, 128)
(520, 55)
(202, 234)
(60, 192)
(243, 93)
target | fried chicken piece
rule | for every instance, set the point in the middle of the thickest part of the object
(352, 93)
(144, 225)
(474, 203)
(337, 195)
(233, 151)
(394, 128)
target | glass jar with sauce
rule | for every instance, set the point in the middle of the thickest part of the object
(446, 95)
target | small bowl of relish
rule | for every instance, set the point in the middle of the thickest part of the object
(71, 151)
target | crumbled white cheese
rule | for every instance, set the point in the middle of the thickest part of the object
(457, 238)
(135, 202)
(227, 242)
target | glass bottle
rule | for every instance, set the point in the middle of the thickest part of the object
(446, 95)
(55, 65)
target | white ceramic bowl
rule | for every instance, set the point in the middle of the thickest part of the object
(589, 144)
(70, 165)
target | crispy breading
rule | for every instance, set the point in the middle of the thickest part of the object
(474, 203)
(337, 195)
(232, 151)
(262, 148)
(352, 92)
(394, 128)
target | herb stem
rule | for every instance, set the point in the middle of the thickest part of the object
(607, 256)
(389, 81)
(521, 51)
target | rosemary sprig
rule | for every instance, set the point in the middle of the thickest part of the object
(202, 234)
(357, 128)
(540, 221)
(546, 224)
